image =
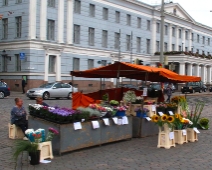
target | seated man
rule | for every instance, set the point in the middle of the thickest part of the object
(18, 116)
(39, 100)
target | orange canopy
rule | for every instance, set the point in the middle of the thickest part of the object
(134, 71)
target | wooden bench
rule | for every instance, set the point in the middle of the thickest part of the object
(15, 132)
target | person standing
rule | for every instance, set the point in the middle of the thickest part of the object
(18, 116)
(169, 92)
(23, 85)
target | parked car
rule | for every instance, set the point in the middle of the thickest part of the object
(193, 87)
(52, 90)
(204, 88)
(130, 86)
(4, 90)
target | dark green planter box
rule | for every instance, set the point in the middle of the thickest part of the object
(143, 128)
(70, 139)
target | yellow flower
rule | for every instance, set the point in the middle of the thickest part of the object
(176, 116)
(170, 119)
(164, 117)
(155, 118)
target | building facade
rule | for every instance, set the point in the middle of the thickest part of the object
(43, 40)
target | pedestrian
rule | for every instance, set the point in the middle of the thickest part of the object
(70, 83)
(18, 116)
(169, 92)
(39, 100)
(23, 83)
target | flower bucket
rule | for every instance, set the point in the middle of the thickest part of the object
(140, 114)
(161, 109)
(192, 135)
(180, 138)
(120, 113)
(34, 157)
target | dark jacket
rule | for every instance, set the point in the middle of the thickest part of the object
(23, 83)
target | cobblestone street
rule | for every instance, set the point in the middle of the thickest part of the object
(135, 154)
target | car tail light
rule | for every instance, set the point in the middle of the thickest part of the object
(8, 88)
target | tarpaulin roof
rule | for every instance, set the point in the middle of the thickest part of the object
(134, 71)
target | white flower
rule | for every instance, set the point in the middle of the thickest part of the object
(28, 131)
(108, 109)
(39, 130)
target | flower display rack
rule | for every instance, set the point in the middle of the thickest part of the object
(70, 139)
(15, 132)
(163, 138)
(151, 112)
(179, 137)
(45, 150)
(192, 135)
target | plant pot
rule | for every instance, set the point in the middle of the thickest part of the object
(192, 135)
(141, 114)
(179, 137)
(120, 113)
(34, 157)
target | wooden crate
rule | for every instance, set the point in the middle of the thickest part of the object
(192, 135)
(45, 150)
(150, 113)
(179, 137)
(15, 132)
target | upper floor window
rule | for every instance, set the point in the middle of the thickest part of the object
(138, 41)
(203, 40)
(105, 13)
(157, 46)
(77, 34)
(209, 41)
(50, 29)
(180, 33)
(197, 38)
(92, 10)
(117, 16)
(91, 36)
(117, 40)
(4, 63)
(186, 35)
(173, 47)
(148, 24)
(5, 28)
(128, 42)
(5, 2)
(166, 30)
(139, 22)
(18, 1)
(104, 38)
(76, 64)
(148, 46)
(192, 36)
(51, 3)
(198, 51)
(17, 63)
(175, 11)
(90, 63)
(158, 28)
(128, 19)
(173, 32)
(18, 22)
(77, 6)
(165, 46)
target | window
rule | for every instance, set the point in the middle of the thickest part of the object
(5, 2)
(175, 11)
(158, 28)
(186, 35)
(203, 40)
(17, 63)
(148, 46)
(192, 36)
(173, 47)
(18, 22)
(208, 53)
(203, 52)
(4, 28)
(148, 24)
(157, 46)
(77, 34)
(139, 22)
(104, 38)
(173, 32)
(92, 10)
(179, 48)
(166, 30)
(197, 38)
(209, 41)
(77, 6)
(128, 19)
(105, 13)
(180, 33)
(192, 50)
(76, 64)
(165, 46)
(104, 62)
(117, 17)
(117, 40)
(50, 29)
(91, 32)
(128, 42)
(186, 49)
(138, 44)
(4, 63)
(51, 3)
(52, 60)
(198, 51)
(90, 63)
(18, 1)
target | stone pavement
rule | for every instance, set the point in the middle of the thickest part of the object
(135, 154)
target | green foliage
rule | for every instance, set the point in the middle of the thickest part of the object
(88, 112)
(105, 97)
(204, 123)
(129, 96)
(114, 102)
(21, 146)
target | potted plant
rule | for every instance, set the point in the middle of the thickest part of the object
(204, 123)
(129, 96)
(141, 112)
(120, 110)
(114, 103)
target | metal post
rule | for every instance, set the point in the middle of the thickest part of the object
(131, 48)
(162, 34)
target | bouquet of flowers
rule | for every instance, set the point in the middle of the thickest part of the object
(180, 122)
(161, 120)
(51, 133)
(176, 99)
(121, 108)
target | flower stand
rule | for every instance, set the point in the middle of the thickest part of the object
(179, 137)
(120, 113)
(131, 108)
(164, 139)
(45, 150)
(15, 132)
(192, 135)
(141, 114)
(151, 112)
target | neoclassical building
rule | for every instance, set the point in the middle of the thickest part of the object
(43, 40)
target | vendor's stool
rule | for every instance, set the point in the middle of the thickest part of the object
(45, 150)
(15, 132)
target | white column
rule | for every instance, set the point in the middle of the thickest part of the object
(69, 22)
(182, 69)
(183, 39)
(176, 37)
(170, 38)
(189, 69)
(209, 74)
(197, 70)
(32, 19)
(189, 40)
(46, 69)
(153, 35)
(43, 18)
(60, 31)
(203, 73)
(58, 67)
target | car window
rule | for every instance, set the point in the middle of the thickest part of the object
(48, 85)
(65, 85)
(2, 84)
(58, 85)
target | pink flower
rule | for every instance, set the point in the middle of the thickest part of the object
(53, 131)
